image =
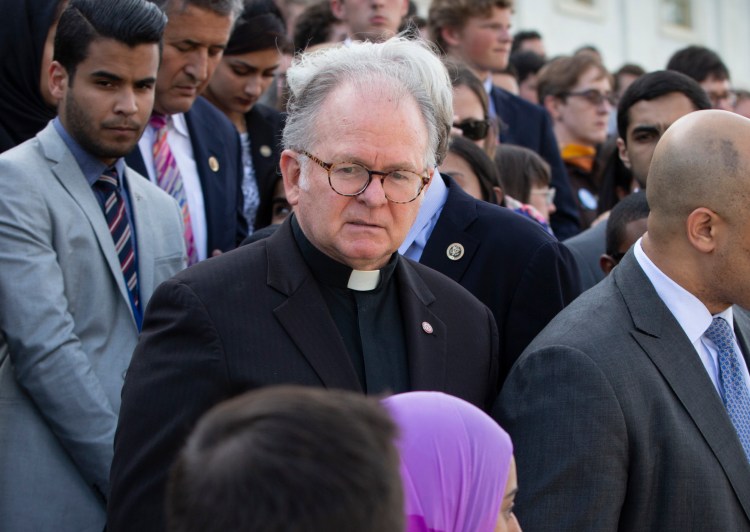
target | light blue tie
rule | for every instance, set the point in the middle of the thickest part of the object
(736, 396)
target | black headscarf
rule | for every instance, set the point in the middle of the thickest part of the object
(23, 31)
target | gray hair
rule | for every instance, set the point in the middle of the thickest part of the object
(223, 8)
(399, 65)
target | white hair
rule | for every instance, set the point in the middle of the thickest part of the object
(398, 65)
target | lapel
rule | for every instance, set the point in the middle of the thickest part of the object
(144, 223)
(458, 213)
(661, 337)
(427, 352)
(304, 314)
(66, 170)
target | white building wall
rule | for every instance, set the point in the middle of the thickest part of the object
(632, 30)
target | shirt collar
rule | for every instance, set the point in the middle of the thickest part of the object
(690, 313)
(91, 167)
(333, 273)
(432, 204)
(179, 124)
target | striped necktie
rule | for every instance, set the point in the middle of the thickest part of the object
(736, 396)
(119, 227)
(169, 179)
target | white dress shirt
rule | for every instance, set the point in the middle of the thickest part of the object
(692, 315)
(178, 138)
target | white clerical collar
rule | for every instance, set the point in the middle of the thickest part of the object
(363, 281)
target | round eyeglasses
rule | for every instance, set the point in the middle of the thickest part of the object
(352, 179)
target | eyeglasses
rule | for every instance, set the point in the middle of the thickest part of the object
(594, 97)
(549, 194)
(352, 179)
(473, 129)
(716, 99)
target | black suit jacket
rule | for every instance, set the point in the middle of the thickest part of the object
(529, 125)
(265, 126)
(510, 264)
(213, 137)
(616, 424)
(256, 317)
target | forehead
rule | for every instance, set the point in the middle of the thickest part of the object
(376, 125)
(113, 57)
(192, 23)
(660, 112)
(593, 76)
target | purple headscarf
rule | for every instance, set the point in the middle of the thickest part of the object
(454, 462)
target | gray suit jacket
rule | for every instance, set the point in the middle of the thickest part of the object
(67, 331)
(616, 424)
(586, 247)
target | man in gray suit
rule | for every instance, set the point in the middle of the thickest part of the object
(631, 410)
(83, 242)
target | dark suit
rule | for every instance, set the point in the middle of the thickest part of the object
(510, 264)
(529, 125)
(617, 426)
(256, 317)
(213, 137)
(264, 126)
(586, 247)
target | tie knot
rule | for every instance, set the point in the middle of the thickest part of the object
(720, 333)
(158, 120)
(108, 181)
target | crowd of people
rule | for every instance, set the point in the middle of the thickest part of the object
(321, 265)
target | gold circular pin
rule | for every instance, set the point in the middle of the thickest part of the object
(213, 163)
(265, 151)
(455, 251)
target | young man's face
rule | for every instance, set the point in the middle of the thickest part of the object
(483, 43)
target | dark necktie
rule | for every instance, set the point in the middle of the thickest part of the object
(119, 227)
(736, 397)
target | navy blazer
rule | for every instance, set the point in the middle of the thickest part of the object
(509, 263)
(528, 125)
(265, 126)
(214, 140)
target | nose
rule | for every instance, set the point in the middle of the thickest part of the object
(126, 102)
(374, 195)
(551, 209)
(252, 87)
(197, 65)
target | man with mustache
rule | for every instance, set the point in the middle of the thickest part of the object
(83, 242)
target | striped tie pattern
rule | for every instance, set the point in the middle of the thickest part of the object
(119, 227)
(169, 179)
(736, 396)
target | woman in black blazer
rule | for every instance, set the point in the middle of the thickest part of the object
(246, 70)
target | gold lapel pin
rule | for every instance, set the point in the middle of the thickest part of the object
(265, 151)
(213, 163)
(455, 251)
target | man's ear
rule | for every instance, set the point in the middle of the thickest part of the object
(338, 9)
(702, 227)
(606, 263)
(552, 104)
(622, 151)
(58, 80)
(499, 195)
(290, 172)
(451, 35)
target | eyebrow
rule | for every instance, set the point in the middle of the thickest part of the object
(106, 75)
(648, 128)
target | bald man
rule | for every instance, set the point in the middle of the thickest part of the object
(630, 411)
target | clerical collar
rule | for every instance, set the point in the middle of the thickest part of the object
(333, 273)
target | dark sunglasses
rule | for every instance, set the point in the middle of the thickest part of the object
(594, 97)
(473, 129)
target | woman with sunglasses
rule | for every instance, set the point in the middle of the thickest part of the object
(471, 108)
(577, 93)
